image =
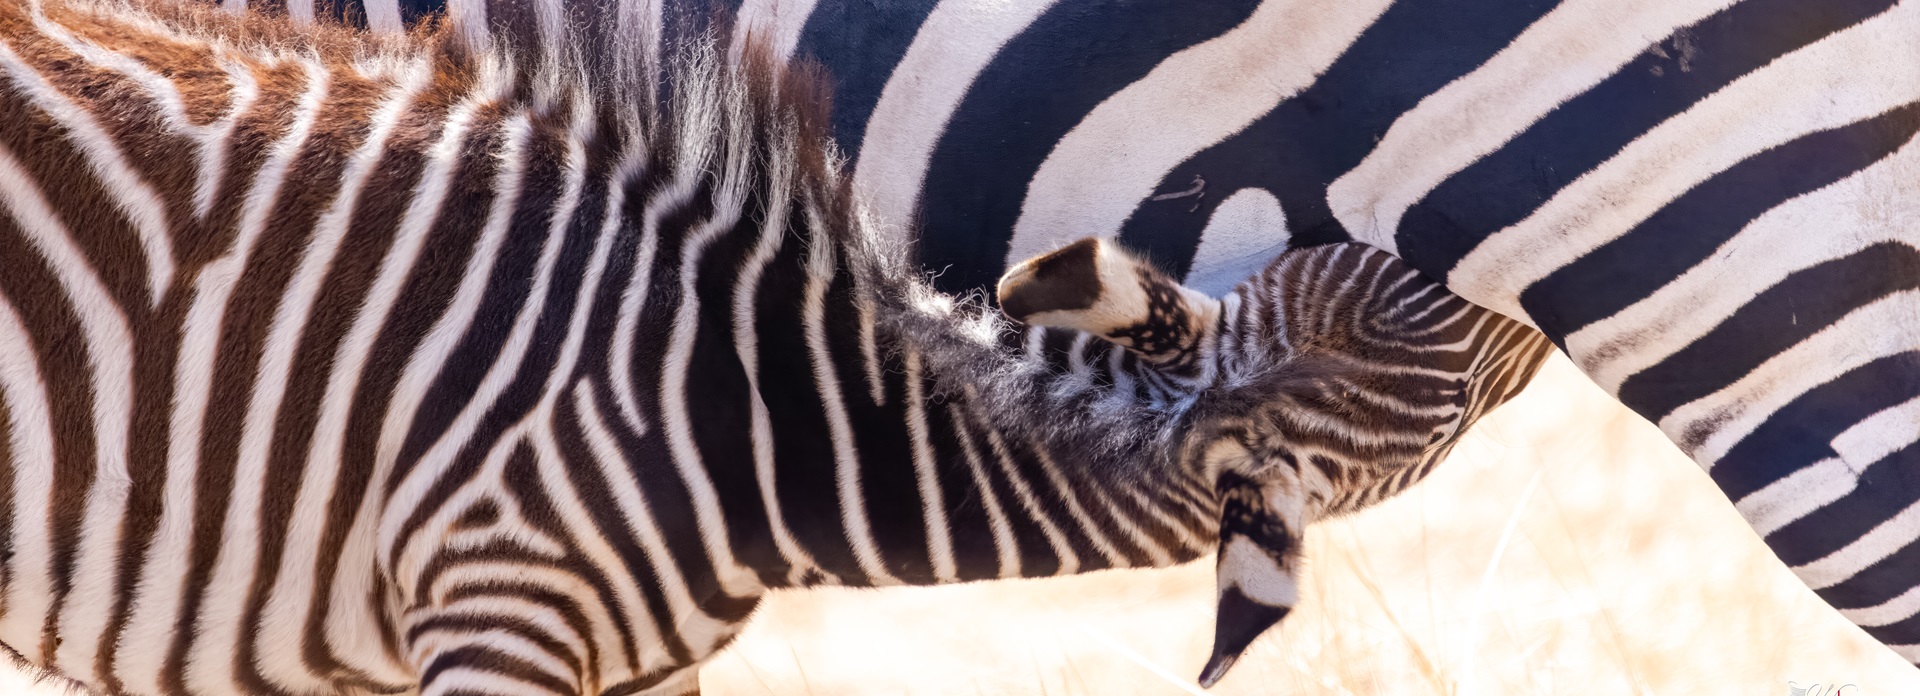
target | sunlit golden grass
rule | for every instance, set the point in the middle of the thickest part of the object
(1566, 548)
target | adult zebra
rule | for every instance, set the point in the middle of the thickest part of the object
(1712, 206)
(332, 363)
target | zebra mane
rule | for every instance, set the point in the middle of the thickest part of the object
(756, 129)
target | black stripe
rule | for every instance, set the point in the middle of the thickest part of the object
(650, 454)
(802, 445)
(1801, 305)
(889, 490)
(860, 43)
(596, 496)
(718, 398)
(1674, 74)
(57, 344)
(1802, 432)
(1692, 227)
(412, 11)
(1299, 148)
(1903, 632)
(1884, 489)
(971, 530)
(1039, 87)
(1886, 579)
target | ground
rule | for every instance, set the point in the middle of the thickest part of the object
(1566, 548)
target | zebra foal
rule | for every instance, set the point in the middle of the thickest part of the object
(335, 364)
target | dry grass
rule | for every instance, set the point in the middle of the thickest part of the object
(1566, 548)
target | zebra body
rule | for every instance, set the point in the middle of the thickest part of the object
(1710, 205)
(335, 363)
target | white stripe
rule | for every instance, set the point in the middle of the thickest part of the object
(550, 21)
(869, 347)
(436, 534)
(1561, 55)
(438, 345)
(468, 18)
(154, 616)
(108, 348)
(1890, 536)
(746, 342)
(383, 16)
(1797, 495)
(1891, 611)
(932, 502)
(1879, 435)
(209, 138)
(1003, 540)
(1165, 517)
(214, 137)
(470, 681)
(1911, 652)
(776, 22)
(590, 541)
(351, 622)
(279, 657)
(1860, 446)
(1815, 88)
(544, 620)
(1156, 555)
(508, 362)
(686, 614)
(518, 646)
(1066, 491)
(131, 195)
(225, 598)
(853, 505)
(1119, 153)
(1877, 330)
(634, 297)
(552, 466)
(542, 615)
(29, 572)
(1873, 205)
(676, 417)
(955, 43)
(637, 27)
(1069, 561)
(1246, 232)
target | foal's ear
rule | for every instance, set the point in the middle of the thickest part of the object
(1094, 286)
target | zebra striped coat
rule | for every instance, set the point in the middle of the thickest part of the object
(1713, 206)
(331, 363)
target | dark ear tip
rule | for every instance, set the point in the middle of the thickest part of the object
(1216, 669)
(1012, 295)
(1065, 279)
(1237, 622)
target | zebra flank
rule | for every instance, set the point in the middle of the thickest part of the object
(335, 363)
